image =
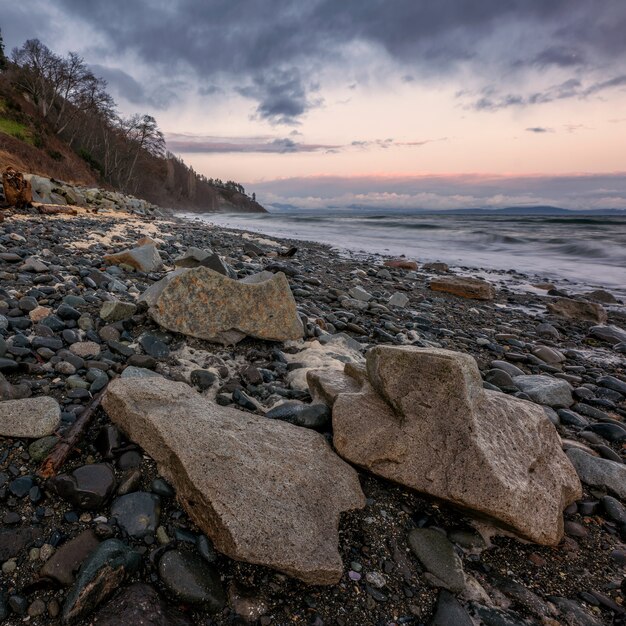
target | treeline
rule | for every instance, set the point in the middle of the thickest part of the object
(128, 153)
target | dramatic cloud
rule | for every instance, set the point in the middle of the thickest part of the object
(267, 47)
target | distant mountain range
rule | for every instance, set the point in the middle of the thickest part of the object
(538, 210)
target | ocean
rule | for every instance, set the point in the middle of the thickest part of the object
(585, 251)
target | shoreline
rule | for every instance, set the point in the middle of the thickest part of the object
(496, 263)
(373, 541)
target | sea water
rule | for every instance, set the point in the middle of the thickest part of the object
(586, 251)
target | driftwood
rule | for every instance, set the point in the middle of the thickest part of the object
(62, 449)
(53, 209)
(17, 190)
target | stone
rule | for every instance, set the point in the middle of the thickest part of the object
(39, 313)
(437, 266)
(154, 347)
(610, 334)
(189, 578)
(202, 303)
(580, 310)
(438, 557)
(264, 491)
(116, 310)
(195, 257)
(326, 384)
(13, 392)
(610, 382)
(316, 416)
(143, 258)
(473, 288)
(399, 300)
(138, 372)
(17, 190)
(85, 349)
(137, 513)
(139, 604)
(87, 487)
(102, 573)
(31, 418)
(402, 264)
(66, 561)
(600, 295)
(598, 472)
(449, 611)
(549, 355)
(358, 293)
(554, 392)
(423, 419)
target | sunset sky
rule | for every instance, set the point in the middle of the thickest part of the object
(396, 103)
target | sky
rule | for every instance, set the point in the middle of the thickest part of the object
(381, 103)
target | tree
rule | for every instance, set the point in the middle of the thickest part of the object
(3, 59)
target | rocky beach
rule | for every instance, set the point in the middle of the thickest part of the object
(200, 425)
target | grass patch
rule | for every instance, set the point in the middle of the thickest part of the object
(17, 130)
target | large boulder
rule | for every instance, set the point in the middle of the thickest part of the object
(578, 310)
(205, 304)
(423, 419)
(610, 334)
(464, 287)
(144, 258)
(264, 491)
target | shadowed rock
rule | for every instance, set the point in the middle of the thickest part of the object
(204, 304)
(423, 419)
(264, 491)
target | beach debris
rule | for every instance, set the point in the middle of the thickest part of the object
(577, 310)
(17, 190)
(205, 304)
(263, 490)
(143, 258)
(492, 454)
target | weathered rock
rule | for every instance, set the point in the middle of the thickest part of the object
(424, 420)
(315, 416)
(100, 575)
(326, 384)
(473, 288)
(598, 472)
(449, 611)
(264, 491)
(139, 604)
(17, 190)
(204, 304)
(195, 257)
(546, 390)
(13, 392)
(399, 300)
(436, 267)
(610, 334)
(143, 258)
(577, 310)
(137, 513)
(30, 418)
(116, 310)
(63, 564)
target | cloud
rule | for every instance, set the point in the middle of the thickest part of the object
(445, 191)
(281, 94)
(123, 85)
(233, 44)
(201, 144)
(539, 129)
